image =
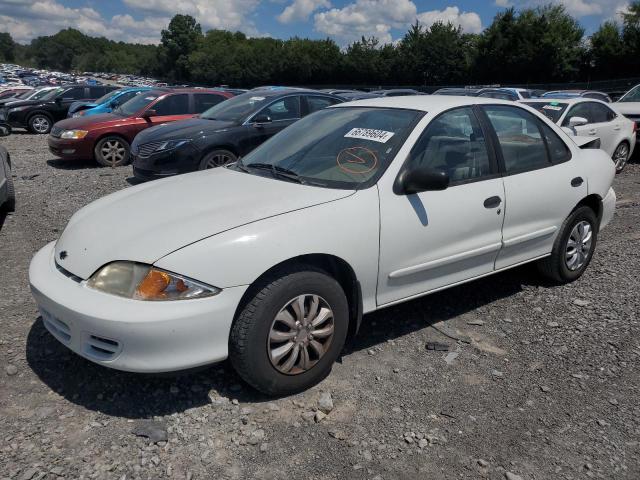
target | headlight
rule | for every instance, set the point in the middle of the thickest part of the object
(74, 134)
(171, 144)
(17, 109)
(81, 113)
(144, 282)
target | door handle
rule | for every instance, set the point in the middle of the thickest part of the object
(492, 202)
(576, 182)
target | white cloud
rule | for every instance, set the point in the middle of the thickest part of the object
(469, 21)
(301, 9)
(503, 3)
(378, 17)
(577, 8)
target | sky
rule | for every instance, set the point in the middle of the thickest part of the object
(342, 20)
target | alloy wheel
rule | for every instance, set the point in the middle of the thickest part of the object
(620, 156)
(218, 160)
(40, 124)
(113, 151)
(579, 245)
(300, 334)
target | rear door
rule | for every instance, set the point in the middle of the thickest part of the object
(204, 101)
(608, 126)
(542, 183)
(69, 96)
(313, 103)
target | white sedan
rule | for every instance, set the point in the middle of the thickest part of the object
(272, 261)
(593, 118)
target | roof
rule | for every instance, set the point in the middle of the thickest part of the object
(424, 102)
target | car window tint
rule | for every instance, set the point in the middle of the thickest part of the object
(558, 150)
(579, 110)
(125, 97)
(173, 105)
(204, 101)
(600, 113)
(318, 103)
(522, 145)
(632, 95)
(454, 143)
(76, 93)
(97, 92)
(284, 109)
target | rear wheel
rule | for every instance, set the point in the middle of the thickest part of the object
(112, 151)
(217, 158)
(290, 332)
(573, 248)
(621, 156)
(39, 123)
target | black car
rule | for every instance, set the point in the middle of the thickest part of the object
(38, 116)
(223, 133)
(7, 190)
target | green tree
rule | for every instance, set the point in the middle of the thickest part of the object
(607, 54)
(7, 47)
(181, 38)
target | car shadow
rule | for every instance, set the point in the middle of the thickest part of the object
(134, 181)
(3, 217)
(132, 395)
(63, 164)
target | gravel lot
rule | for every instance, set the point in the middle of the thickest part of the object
(543, 382)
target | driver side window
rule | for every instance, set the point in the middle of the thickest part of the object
(287, 108)
(455, 144)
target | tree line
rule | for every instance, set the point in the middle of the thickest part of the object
(528, 46)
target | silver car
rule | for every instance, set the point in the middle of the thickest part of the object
(7, 191)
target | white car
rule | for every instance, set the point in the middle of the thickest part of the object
(273, 260)
(593, 118)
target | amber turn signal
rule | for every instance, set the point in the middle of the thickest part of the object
(153, 285)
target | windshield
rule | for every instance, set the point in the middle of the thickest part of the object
(347, 147)
(632, 95)
(237, 108)
(552, 110)
(107, 97)
(40, 94)
(26, 94)
(53, 93)
(136, 104)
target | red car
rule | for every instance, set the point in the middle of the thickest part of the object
(106, 137)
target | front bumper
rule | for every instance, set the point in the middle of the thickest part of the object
(608, 208)
(70, 149)
(131, 335)
(184, 159)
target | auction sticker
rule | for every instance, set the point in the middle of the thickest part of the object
(381, 136)
(552, 107)
(357, 160)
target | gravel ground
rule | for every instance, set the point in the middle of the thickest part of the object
(542, 383)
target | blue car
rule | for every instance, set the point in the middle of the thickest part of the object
(106, 103)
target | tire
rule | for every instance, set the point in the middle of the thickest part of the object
(112, 151)
(558, 267)
(217, 158)
(10, 204)
(40, 123)
(252, 349)
(621, 156)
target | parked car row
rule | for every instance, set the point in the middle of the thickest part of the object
(272, 261)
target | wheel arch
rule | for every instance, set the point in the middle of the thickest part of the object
(220, 146)
(333, 266)
(594, 202)
(40, 112)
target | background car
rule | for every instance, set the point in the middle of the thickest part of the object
(464, 92)
(106, 137)
(38, 116)
(397, 92)
(33, 94)
(505, 93)
(105, 104)
(577, 93)
(593, 118)
(224, 133)
(7, 190)
(629, 104)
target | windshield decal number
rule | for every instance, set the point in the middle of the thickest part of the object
(372, 134)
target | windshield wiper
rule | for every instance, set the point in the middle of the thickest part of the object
(240, 166)
(278, 172)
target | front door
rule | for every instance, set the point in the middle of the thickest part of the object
(272, 119)
(433, 239)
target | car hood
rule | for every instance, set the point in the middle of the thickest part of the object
(627, 108)
(93, 121)
(147, 222)
(26, 103)
(191, 128)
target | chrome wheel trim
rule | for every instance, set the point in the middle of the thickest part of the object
(40, 124)
(113, 151)
(579, 245)
(620, 156)
(218, 160)
(300, 334)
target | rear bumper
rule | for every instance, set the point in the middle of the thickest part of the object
(70, 149)
(131, 335)
(608, 208)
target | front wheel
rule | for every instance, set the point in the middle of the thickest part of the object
(217, 158)
(291, 331)
(573, 248)
(39, 123)
(621, 156)
(112, 151)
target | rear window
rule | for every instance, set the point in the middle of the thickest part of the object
(552, 110)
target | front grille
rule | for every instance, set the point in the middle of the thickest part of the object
(147, 149)
(56, 132)
(100, 348)
(56, 327)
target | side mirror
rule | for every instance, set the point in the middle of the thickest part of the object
(149, 113)
(421, 180)
(259, 119)
(5, 130)
(577, 121)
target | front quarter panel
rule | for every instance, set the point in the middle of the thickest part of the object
(347, 228)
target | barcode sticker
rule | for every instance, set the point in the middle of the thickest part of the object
(380, 136)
